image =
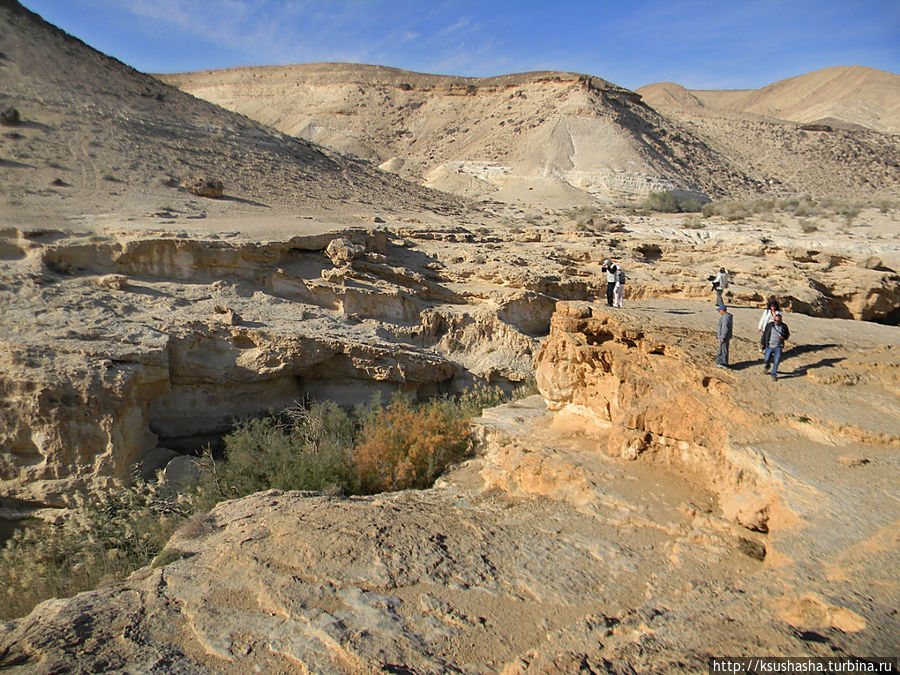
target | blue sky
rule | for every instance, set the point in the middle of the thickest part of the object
(712, 44)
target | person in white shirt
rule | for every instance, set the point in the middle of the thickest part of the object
(720, 283)
(610, 269)
(768, 316)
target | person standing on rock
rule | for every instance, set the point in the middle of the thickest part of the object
(719, 284)
(610, 270)
(774, 337)
(619, 290)
(726, 325)
(768, 316)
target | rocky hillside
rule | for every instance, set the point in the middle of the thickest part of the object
(554, 134)
(549, 138)
(849, 96)
(97, 137)
(832, 133)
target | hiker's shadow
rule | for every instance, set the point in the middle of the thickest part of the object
(805, 349)
(790, 354)
(802, 370)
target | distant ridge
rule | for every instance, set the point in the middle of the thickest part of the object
(499, 137)
(852, 95)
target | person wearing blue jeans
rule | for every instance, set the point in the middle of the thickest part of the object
(774, 337)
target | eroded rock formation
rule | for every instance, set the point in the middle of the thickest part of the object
(545, 552)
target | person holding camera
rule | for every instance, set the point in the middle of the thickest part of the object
(719, 284)
(610, 269)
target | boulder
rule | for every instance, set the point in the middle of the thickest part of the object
(203, 186)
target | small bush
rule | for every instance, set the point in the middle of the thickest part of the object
(692, 222)
(582, 216)
(667, 202)
(849, 212)
(101, 539)
(808, 227)
(730, 211)
(405, 446)
(664, 202)
(307, 451)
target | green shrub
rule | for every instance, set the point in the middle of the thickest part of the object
(307, 451)
(664, 202)
(323, 448)
(667, 202)
(102, 538)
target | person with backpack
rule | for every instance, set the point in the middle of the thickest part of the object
(768, 316)
(774, 337)
(719, 284)
(610, 270)
(619, 290)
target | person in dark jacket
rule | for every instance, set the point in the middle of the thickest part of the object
(774, 337)
(610, 269)
(768, 316)
(726, 324)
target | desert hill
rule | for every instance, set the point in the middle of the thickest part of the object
(98, 137)
(547, 138)
(850, 95)
(663, 95)
(831, 132)
(554, 134)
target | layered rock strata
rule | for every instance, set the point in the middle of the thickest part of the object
(121, 344)
(566, 136)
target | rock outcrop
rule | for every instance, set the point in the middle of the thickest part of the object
(120, 344)
(545, 553)
(651, 386)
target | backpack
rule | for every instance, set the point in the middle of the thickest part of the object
(620, 276)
